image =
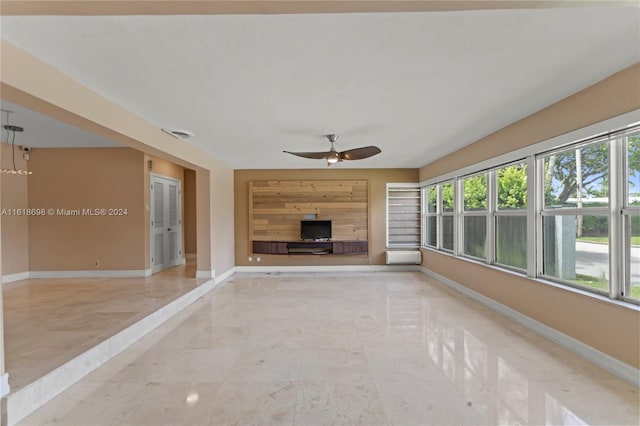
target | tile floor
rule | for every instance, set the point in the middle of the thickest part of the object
(357, 348)
(47, 322)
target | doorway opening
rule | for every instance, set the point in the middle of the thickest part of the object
(166, 222)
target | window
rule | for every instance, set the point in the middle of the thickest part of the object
(403, 210)
(631, 217)
(570, 214)
(447, 215)
(474, 216)
(511, 216)
(494, 216)
(575, 222)
(431, 216)
(439, 216)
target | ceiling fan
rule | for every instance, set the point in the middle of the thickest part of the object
(332, 156)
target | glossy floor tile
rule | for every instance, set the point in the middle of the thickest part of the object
(48, 322)
(350, 348)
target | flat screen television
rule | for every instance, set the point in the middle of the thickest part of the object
(315, 229)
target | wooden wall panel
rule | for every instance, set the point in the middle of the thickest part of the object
(277, 207)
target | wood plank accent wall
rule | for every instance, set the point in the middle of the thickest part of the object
(277, 207)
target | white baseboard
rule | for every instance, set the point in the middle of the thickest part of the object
(225, 275)
(4, 385)
(125, 273)
(609, 363)
(9, 278)
(207, 274)
(329, 268)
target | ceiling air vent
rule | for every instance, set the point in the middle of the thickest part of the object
(178, 133)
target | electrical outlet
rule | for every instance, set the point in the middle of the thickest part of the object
(97, 262)
(258, 259)
(250, 259)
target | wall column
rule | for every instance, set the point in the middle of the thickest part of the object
(222, 241)
(204, 264)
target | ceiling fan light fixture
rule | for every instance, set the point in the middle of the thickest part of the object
(333, 157)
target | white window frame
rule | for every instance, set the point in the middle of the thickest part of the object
(486, 213)
(426, 214)
(497, 212)
(438, 214)
(443, 214)
(576, 211)
(618, 211)
(625, 214)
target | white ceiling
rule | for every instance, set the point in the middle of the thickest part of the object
(41, 131)
(418, 85)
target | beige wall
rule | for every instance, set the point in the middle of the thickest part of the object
(610, 328)
(189, 221)
(223, 220)
(81, 178)
(204, 221)
(15, 232)
(377, 178)
(163, 167)
(91, 178)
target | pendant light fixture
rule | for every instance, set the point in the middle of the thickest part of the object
(11, 133)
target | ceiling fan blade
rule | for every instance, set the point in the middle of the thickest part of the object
(312, 155)
(360, 153)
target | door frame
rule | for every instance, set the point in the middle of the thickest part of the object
(153, 177)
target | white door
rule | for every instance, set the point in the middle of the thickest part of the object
(166, 223)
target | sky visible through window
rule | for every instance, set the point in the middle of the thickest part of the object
(634, 169)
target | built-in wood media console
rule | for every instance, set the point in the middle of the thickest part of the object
(311, 247)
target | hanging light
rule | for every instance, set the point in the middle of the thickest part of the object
(11, 132)
(333, 157)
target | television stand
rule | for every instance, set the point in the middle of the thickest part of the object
(311, 247)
